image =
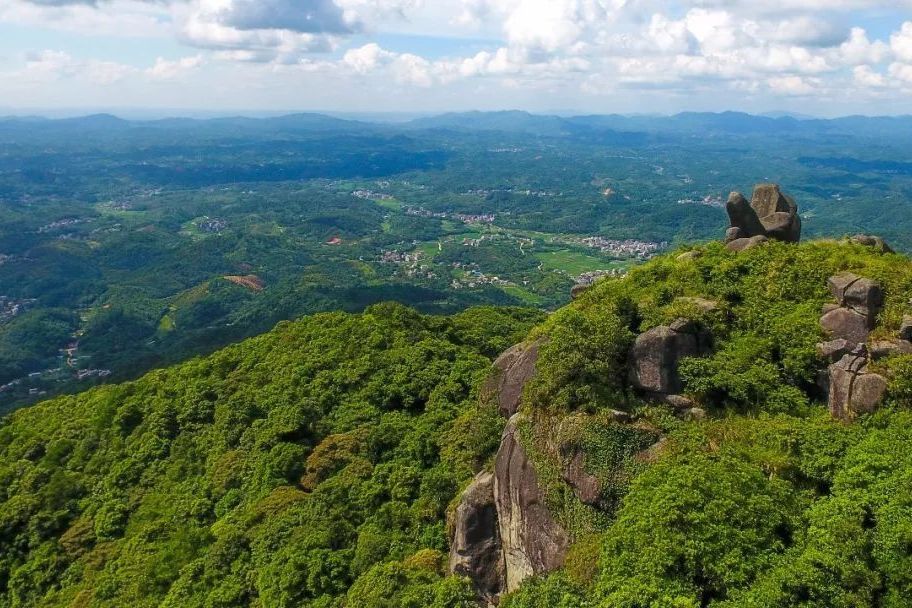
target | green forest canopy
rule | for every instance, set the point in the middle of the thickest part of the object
(315, 465)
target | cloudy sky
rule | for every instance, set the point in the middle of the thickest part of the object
(821, 57)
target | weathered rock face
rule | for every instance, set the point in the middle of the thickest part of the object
(834, 350)
(656, 353)
(770, 214)
(513, 369)
(888, 348)
(476, 551)
(533, 542)
(853, 389)
(586, 486)
(862, 295)
(846, 324)
(859, 302)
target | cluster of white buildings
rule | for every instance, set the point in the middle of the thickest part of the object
(628, 248)
(11, 307)
(709, 200)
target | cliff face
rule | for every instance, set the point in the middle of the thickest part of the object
(504, 532)
(533, 542)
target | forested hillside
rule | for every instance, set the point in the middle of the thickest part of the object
(309, 466)
(375, 460)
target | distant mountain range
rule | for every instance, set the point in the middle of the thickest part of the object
(698, 123)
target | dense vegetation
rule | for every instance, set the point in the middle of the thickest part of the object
(316, 465)
(123, 232)
(769, 502)
(303, 467)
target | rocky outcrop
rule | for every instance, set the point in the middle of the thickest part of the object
(859, 302)
(656, 353)
(874, 242)
(881, 349)
(769, 215)
(578, 290)
(743, 244)
(476, 550)
(533, 542)
(853, 388)
(513, 369)
(834, 350)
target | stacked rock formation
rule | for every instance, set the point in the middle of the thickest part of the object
(851, 386)
(770, 214)
(859, 302)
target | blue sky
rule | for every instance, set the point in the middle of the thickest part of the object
(817, 57)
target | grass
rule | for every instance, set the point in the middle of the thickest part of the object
(573, 262)
(523, 294)
(428, 250)
(389, 203)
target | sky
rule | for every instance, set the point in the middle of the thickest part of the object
(815, 57)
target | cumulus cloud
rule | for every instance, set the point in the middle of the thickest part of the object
(901, 43)
(51, 65)
(306, 16)
(165, 69)
(782, 48)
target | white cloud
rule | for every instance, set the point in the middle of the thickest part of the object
(858, 49)
(367, 58)
(901, 43)
(793, 85)
(165, 69)
(53, 65)
(781, 48)
(868, 78)
(901, 72)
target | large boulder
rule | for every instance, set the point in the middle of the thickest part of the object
(578, 290)
(834, 350)
(656, 353)
(862, 295)
(476, 550)
(742, 217)
(853, 388)
(846, 324)
(881, 349)
(743, 244)
(533, 541)
(769, 214)
(512, 370)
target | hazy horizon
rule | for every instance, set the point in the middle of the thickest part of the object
(142, 114)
